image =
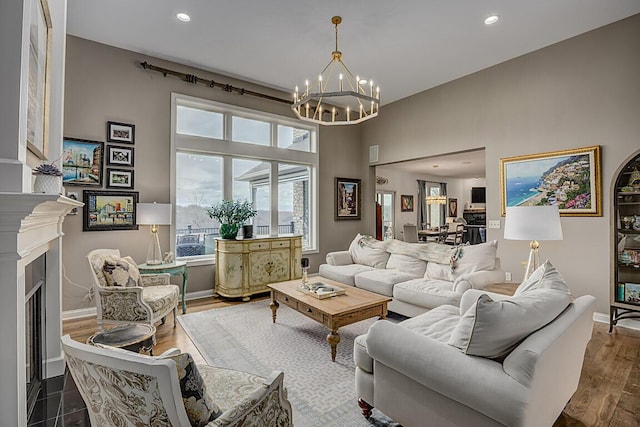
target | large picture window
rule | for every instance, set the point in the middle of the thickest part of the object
(225, 152)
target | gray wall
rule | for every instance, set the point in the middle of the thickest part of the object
(107, 84)
(580, 92)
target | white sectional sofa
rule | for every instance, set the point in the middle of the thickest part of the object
(417, 276)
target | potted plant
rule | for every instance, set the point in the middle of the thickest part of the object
(231, 214)
(48, 179)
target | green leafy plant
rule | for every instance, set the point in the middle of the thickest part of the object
(47, 169)
(232, 212)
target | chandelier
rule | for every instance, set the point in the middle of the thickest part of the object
(337, 96)
(436, 200)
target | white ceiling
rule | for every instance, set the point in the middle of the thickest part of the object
(468, 164)
(406, 46)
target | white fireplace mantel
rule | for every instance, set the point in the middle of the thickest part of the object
(30, 225)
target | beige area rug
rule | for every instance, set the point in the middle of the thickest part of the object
(243, 337)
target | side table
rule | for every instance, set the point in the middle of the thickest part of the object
(502, 288)
(176, 268)
(134, 337)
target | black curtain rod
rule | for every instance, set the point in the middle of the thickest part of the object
(192, 78)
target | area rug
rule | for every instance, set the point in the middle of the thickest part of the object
(243, 337)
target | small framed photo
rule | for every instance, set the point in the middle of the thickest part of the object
(121, 132)
(82, 162)
(109, 210)
(348, 198)
(119, 156)
(632, 293)
(406, 203)
(120, 178)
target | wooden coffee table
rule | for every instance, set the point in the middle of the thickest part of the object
(334, 312)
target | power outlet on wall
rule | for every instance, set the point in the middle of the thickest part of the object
(494, 223)
(507, 276)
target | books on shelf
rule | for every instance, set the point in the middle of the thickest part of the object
(321, 290)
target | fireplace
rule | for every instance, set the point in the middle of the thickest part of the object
(34, 331)
(31, 285)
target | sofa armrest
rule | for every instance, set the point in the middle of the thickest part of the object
(473, 381)
(339, 258)
(471, 296)
(478, 280)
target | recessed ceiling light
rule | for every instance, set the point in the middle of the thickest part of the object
(491, 19)
(183, 17)
(466, 163)
(435, 166)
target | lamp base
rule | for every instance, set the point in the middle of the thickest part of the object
(534, 261)
(154, 253)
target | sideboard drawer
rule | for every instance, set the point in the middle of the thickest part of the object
(227, 246)
(310, 311)
(256, 246)
(280, 244)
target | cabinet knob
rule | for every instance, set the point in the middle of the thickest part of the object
(286, 298)
(309, 310)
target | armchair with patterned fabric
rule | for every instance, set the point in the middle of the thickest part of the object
(123, 295)
(125, 388)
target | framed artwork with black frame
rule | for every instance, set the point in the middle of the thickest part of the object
(109, 210)
(406, 203)
(120, 178)
(348, 198)
(82, 162)
(121, 132)
(119, 156)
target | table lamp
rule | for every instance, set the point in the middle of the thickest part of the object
(532, 223)
(154, 214)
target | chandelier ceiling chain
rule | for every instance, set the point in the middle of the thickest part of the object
(329, 95)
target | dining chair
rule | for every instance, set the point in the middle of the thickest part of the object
(443, 234)
(410, 233)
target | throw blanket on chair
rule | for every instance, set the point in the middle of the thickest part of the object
(431, 252)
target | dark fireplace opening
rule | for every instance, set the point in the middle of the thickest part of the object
(34, 328)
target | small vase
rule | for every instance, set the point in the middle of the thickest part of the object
(229, 231)
(47, 184)
(247, 231)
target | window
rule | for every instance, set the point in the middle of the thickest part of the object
(239, 156)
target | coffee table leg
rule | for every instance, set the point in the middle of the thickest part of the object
(333, 339)
(274, 307)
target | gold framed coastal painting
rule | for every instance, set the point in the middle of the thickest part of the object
(569, 179)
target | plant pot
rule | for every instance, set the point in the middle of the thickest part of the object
(247, 231)
(229, 231)
(47, 184)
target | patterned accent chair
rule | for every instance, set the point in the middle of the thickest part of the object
(148, 303)
(122, 388)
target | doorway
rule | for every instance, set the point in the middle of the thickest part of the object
(386, 200)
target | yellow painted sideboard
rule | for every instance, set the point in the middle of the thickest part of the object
(246, 267)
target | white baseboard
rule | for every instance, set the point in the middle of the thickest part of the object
(625, 323)
(82, 313)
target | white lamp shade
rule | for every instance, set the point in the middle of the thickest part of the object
(532, 223)
(153, 213)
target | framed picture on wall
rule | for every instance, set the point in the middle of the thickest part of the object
(348, 198)
(82, 162)
(121, 132)
(453, 207)
(109, 210)
(120, 178)
(119, 156)
(406, 203)
(569, 179)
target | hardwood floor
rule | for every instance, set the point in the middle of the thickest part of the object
(608, 393)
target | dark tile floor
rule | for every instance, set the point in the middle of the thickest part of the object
(59, 404)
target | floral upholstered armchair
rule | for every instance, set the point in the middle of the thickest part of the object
(123, 295)
(122, 388)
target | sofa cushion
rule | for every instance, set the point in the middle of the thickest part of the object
(343, 273)
(437, 324)
(408, 264)
(476, 258)
(121, 272)
(544, 277)
(427, 293)
(381, 281)
(437, 271)
(493, 328)
(376, 258)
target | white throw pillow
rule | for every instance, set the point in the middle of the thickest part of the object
(544, 277)
(407, 264)
(438, 271)
(493, 328)
(476, 258)
(376, 258)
